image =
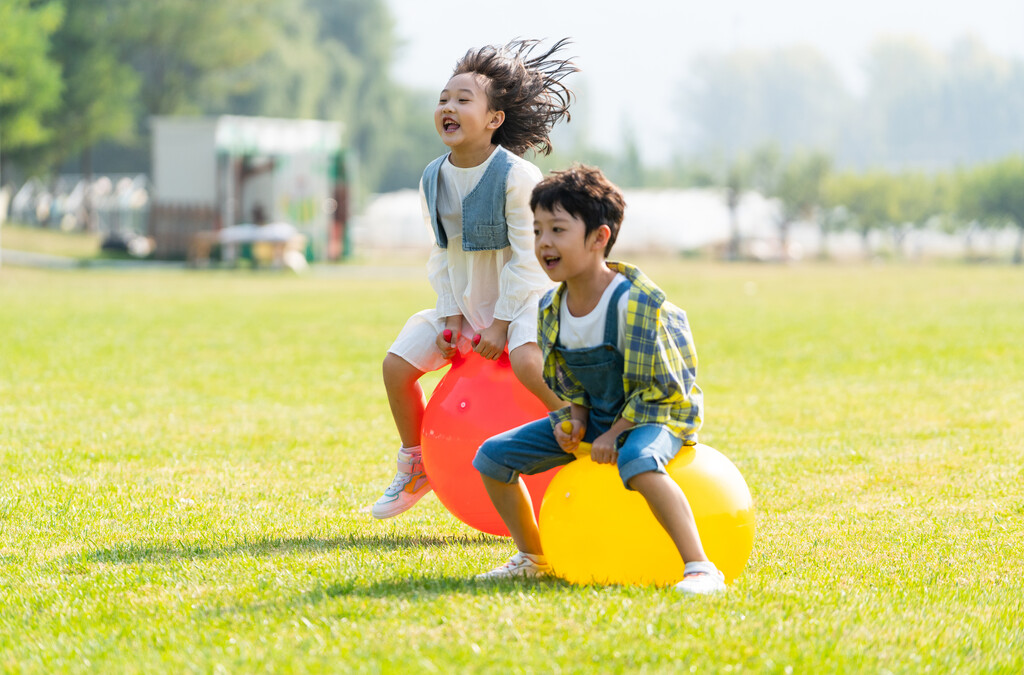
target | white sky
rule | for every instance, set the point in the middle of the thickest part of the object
(633, 54)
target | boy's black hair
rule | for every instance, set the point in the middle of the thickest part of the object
(584, 192)
(528, 89)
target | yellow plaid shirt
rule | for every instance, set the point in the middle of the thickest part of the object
(660, 373)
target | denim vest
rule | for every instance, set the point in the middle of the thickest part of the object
(483, 209)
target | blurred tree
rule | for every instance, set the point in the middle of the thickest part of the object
(187, 51)
(391, 129)
(994, 193)
(99, 93)
(930, 109)
(793, 97)
(30, 81)
(915, 203)
(800, 189)
(289, 79)
(868, 199)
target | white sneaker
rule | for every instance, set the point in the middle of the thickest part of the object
(519, 565)
(410, 483)
(702, 583)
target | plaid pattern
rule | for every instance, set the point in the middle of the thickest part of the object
(660, 359)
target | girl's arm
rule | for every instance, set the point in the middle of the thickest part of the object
(521, 279)
(437, 268)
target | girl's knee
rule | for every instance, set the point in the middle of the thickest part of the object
(398, 371)
(526, 355)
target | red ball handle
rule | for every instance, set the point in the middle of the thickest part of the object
(447, 335)
(476, 339)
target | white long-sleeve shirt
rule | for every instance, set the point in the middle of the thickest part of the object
(485, 285)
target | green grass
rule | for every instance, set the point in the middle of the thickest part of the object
(52, 242)
(184, 459)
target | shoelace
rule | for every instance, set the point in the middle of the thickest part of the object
(399, 482)
(515, 562)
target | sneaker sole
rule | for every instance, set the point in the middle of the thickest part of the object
(398, 507)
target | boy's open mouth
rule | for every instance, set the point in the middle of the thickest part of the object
(551, 260)
(449, 125)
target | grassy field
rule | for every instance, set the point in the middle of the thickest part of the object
(185, 458)
(79, 245)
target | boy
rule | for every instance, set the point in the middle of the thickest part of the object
(623, 357)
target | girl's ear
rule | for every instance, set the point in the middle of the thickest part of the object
(497, 119)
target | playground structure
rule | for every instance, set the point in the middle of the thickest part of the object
(238, 175)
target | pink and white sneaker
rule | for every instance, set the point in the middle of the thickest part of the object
(409, 485)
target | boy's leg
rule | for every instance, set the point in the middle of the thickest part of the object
(642, 457)
(512, 502)
(528, 449)
(670, 507)
(528, 366)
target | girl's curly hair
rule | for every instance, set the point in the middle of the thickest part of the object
(527, 88)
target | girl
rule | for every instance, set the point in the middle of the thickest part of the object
(499, 103)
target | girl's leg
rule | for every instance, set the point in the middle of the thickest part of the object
(528, 366)
(405, 395)
(670, 507)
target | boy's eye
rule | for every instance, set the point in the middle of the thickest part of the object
(463, 100)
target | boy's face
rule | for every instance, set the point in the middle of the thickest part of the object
(463, 117)
(561, 244)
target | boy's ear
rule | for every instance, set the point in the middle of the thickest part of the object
(601, 236)
(497, 119)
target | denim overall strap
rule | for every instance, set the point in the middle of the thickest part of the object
(599, 368)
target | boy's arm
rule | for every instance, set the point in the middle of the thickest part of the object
(604, 449)
(577, 418)
(661, 366)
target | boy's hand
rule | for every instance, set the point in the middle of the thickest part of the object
(569, 434)
(603, 450)
(446, 342)
(492, 340)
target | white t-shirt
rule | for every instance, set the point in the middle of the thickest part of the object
(486, 285)
(579, 332)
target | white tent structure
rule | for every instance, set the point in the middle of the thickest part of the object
(211, 173)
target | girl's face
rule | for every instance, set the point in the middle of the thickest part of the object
(463, 117)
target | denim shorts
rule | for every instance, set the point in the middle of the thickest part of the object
(532, 448)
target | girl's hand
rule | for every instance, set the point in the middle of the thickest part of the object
(603, 450)
(492, 340)
(445, 342)
(569, 434)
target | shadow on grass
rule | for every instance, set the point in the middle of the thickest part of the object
(418, 588)
(427, 587)
(185, 550)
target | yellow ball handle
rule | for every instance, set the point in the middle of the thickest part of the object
(581, 449)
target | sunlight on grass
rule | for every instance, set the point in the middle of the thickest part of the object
(185, 460)
(49, 241)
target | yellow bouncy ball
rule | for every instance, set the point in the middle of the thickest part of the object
(594, 530)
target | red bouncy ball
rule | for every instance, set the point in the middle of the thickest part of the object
(476, 399)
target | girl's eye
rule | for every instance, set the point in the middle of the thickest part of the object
(463, 100)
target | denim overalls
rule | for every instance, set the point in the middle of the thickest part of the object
(532, 448)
